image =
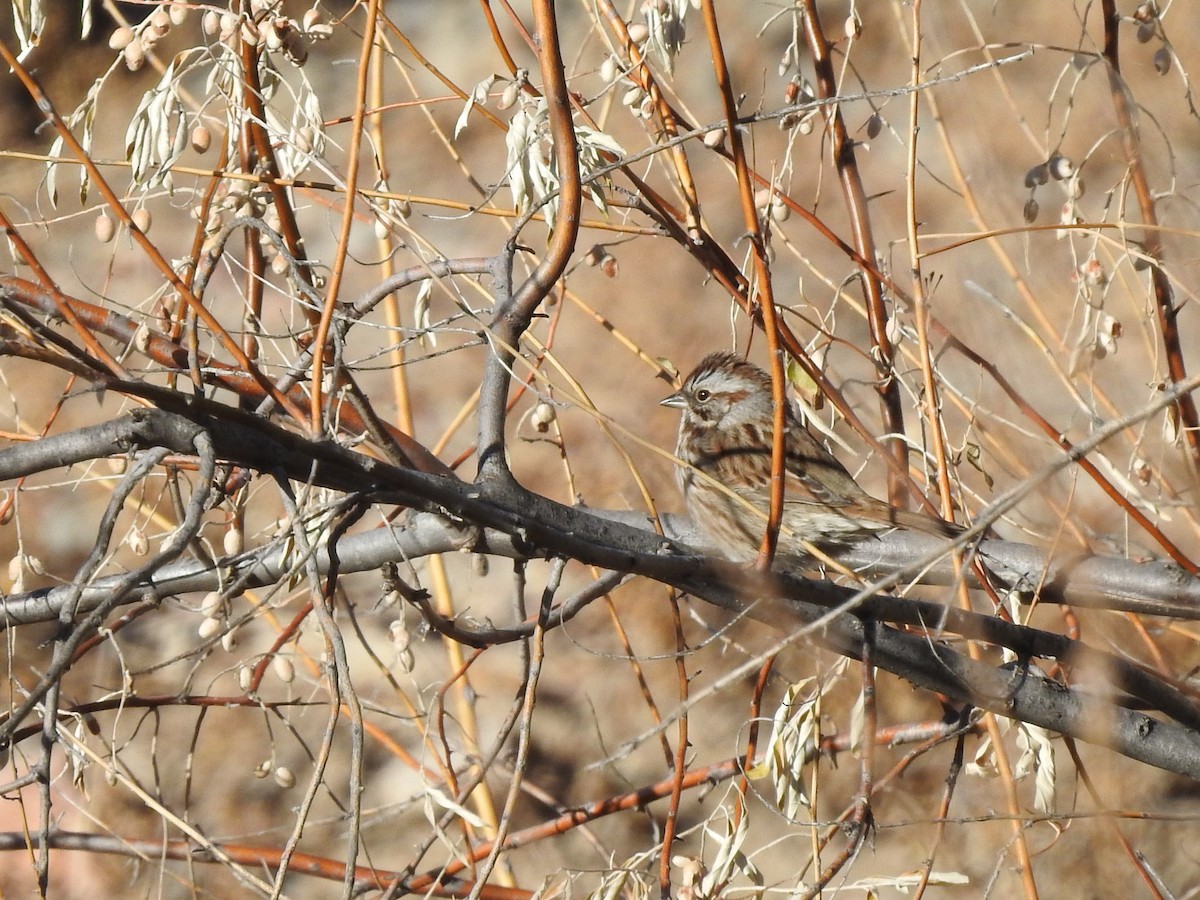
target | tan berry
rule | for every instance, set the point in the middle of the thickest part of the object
(233, 542)
(210, 606)
(135, 55)
(209, 628)
(120, 38)
(201, 139)
(106, 228)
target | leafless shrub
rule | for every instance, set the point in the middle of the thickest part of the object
(268, 631)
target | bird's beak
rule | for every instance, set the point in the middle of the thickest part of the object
(676, 400)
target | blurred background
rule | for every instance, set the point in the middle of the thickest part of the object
(1032, 257)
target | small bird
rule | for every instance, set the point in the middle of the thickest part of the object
(724, 471)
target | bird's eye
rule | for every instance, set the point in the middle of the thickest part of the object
(702, 395)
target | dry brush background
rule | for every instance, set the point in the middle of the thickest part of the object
(995, 258)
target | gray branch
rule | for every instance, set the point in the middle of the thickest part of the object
(504, 519)
(1148, 588)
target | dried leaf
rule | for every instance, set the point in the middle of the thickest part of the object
(478, 95)
(793, 735)
(421, 314)
(1037, 756)
(29, 21)
(157, 135)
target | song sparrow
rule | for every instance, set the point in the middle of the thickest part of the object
(724, 472)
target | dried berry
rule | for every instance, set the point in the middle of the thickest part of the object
(120, 38)
(201, 139)
(1162, 61)
(135, 55)
(1060, 167)
(106, 228)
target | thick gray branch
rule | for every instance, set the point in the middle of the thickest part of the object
(507, 520)
(1020, 693)
(1149, 588)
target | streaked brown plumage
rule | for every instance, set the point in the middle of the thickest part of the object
(726, 432)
